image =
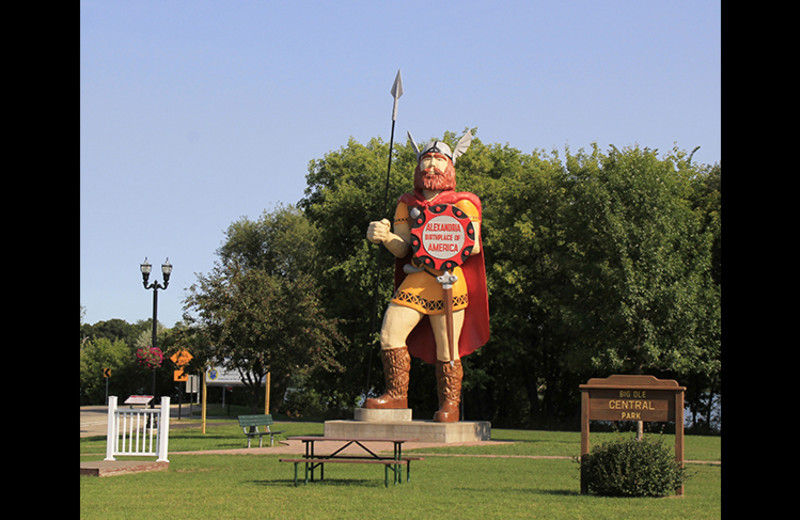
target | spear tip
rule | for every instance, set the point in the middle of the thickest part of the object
(397, 91)
(397, 86)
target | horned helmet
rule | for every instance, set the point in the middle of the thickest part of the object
(442, 147)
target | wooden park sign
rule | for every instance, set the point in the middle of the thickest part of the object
(632, 398)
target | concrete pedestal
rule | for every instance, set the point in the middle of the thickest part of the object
(397, 423)
(383, 416)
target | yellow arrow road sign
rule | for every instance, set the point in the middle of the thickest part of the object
(181, 357)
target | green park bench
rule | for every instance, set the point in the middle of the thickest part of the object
(251, 423)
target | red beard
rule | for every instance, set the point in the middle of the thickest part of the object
(435, 179)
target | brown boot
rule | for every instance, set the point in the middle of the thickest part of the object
(448, 384)
(396, 367)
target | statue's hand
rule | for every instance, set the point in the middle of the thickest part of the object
(378, 231)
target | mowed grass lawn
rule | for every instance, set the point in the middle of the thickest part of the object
(477, 486)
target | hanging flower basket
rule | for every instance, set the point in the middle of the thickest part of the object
(150, 357)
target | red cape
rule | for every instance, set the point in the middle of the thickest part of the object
(475, 331)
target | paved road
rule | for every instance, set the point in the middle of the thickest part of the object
(94, 419)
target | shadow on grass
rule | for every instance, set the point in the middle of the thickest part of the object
(557, 492)
(328, 482)
(534, 441)
(533, 491)
(208, 441)
(379, 484)
(93, 438)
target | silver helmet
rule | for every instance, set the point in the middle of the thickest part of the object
(442, 147)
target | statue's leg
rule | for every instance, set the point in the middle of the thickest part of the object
(439, 325)
(398, 322)
(448, 375)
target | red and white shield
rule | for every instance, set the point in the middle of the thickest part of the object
(442, 236)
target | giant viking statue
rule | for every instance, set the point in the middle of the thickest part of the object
(439, 311)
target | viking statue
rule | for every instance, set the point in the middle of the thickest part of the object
(439, 311)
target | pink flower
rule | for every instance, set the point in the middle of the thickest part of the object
(150, 357)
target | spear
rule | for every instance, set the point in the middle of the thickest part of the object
(396, 91)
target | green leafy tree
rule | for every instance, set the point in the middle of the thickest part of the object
(704, 382)
(258, 310)
(644, 298)
(524, 229)
(114, 329)
(102, 347)
(95, 356)
(345, 191)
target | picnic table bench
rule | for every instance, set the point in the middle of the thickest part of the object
(313, 461)
(250, 424)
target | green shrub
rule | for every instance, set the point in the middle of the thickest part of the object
(630, 467)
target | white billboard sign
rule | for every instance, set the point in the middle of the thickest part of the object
(218, 376)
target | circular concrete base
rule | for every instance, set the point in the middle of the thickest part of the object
(374, 415)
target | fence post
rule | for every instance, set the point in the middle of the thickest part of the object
(163, 430)
(111, 432)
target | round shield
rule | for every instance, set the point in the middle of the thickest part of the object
(442, 236)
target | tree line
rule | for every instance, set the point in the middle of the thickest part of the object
(598, 263)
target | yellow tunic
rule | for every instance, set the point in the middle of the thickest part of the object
(421, 291)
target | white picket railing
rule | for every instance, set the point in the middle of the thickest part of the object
(137, 431)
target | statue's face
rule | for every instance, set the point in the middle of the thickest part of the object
(435, 160)
(435, 172)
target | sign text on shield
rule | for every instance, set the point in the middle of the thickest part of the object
(442, 236)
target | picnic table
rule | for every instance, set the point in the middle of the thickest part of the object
(312, 460)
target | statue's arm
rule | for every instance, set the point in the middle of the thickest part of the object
(397, 242)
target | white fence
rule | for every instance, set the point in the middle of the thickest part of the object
(136, 431)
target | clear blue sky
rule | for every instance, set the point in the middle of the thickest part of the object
(196, 113)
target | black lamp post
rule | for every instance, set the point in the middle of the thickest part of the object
(166, 270)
